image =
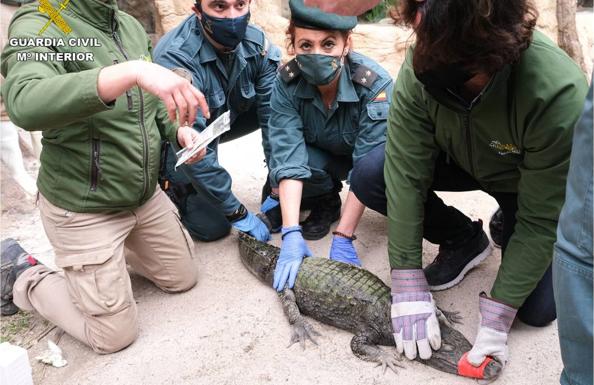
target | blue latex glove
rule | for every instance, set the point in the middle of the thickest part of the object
(252, 225)
(269, 204)
(342, 250)
(293, 249)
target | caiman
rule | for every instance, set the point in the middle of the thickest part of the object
(352, 299)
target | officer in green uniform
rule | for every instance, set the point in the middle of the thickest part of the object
(232, 63)
(328, 109)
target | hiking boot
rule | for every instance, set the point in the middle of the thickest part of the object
(322, 215)
(14, 260)
(496, 227)
(454, 261)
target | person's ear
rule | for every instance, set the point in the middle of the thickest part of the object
(347, 45)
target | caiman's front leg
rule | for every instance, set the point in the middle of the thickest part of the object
(302, 330)
(363, 347)
(449, 317)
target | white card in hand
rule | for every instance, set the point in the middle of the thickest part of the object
(221, 125)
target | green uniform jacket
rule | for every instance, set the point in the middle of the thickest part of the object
(515, 137)
(95, 157)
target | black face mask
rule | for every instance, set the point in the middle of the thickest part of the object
(445, 76)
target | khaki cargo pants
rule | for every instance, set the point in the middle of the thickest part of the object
(92, 301)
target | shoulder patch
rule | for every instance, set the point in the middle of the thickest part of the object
(381, 97)
(289, 71)
(365, 76)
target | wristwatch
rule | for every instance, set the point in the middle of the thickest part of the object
(238, 214)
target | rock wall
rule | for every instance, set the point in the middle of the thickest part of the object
(171, 12)
(383, 42)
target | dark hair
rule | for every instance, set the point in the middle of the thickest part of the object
(290, 33)
(481, 35)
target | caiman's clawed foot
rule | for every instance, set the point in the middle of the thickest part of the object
(449, 317)
(303, 331)
(363, 346)
(389, 360)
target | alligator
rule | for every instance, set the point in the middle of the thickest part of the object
(352, 299)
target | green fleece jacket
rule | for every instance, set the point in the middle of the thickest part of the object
(515, 137)
(96, 157)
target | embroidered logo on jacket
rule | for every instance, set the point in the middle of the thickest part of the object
(54, 16)
(504, 149)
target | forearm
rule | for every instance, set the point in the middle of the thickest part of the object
(351, 215)
(114, 80)
(290, 198)
(525, 261)
(73, 96)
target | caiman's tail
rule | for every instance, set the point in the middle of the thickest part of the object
(259, 257)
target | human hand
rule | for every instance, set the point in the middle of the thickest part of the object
(254, 226)
(293, 250)
(413, 312)
(269, 203)
(187, 137)
(342, 250)
(177, 93)
(491, 340)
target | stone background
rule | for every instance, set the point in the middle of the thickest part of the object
(382, 41)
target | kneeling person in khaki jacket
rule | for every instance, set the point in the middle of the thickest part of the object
(100, 205)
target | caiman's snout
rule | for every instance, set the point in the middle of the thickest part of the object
(489, 370)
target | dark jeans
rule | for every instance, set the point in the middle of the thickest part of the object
(198, 212)
(446, 224)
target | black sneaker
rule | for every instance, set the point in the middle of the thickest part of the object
(14, 260)
(322, 215)
(452, 263)
(496, 227)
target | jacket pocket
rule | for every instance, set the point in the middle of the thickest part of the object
(309, 134)
(248, 94)
(96, 281)
(349, 136)
(216, 99)
(129, 100)
(95, 163)
(378, 110)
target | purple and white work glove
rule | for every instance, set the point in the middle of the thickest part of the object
(491, 340)
(414, 314)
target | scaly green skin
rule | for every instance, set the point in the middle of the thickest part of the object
(351, 299)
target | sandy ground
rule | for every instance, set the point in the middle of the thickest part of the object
(230, 328)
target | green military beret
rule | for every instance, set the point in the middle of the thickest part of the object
(314, 18)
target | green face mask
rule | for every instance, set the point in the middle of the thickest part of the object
(318, 69)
